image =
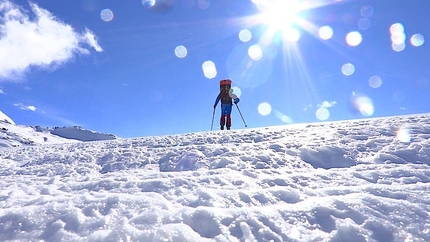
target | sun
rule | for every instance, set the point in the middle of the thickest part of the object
(287, 17)
(284, 18)
(279, 14)
(275, 29)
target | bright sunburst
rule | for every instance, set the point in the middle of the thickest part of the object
(280, 22)
(275, 22)
(287, 16)
(278, 14)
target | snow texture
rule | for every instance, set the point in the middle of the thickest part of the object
(5, 119)
(13, 135)
(357, 180)
(78, 133)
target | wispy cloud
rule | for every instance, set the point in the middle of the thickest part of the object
(327, 104)
(37, 41)
(25, 107)
(90, 38)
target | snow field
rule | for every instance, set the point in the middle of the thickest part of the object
(342, 181)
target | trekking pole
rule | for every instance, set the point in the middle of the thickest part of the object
(238, 109)
(213, 115)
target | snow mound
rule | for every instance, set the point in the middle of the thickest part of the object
(78, 133)
(187, 161)
(13, 135)
(4, 118)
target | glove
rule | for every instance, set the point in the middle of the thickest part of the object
(236, 100)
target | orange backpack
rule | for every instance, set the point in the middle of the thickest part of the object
(225, 88)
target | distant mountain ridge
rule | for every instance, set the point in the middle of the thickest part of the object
(13, 135)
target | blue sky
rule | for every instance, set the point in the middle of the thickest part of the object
(141, 68)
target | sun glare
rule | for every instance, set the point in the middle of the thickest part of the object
(279, 14)
(286, 20)
(276, 29)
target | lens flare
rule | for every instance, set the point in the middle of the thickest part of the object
(148, 3)
(322, 114)
(209, 69)
(354, 38)
(245, 35)
(255, 52)
(398, 47)
(363, 104)
(366, 109)
(236, 91)
(264, 109)
(284, 118)
(364, 23)
(397, 28)
(367, 11)
(348, 69)
(325, 32)
(417, 40)
(403, 135)
(375, 81)
(181, 51)
(106, 15)
(159, 6)
(398, 37)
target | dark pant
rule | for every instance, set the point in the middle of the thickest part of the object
(225, 115)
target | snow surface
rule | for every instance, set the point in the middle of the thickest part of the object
(13, 135)
(357, 180)
(5, 118)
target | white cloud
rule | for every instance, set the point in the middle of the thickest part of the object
(1, 91)
(90, 38)
(24, 107)
(39, 41)
(327, 104)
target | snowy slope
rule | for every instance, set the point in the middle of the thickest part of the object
(13, 135)
(359, 180)
(4, 118)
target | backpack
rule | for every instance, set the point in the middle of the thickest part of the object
(225, 89)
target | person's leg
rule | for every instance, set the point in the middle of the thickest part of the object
(228, 116)
(224, 112)
(228, 121)
(222, 121)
